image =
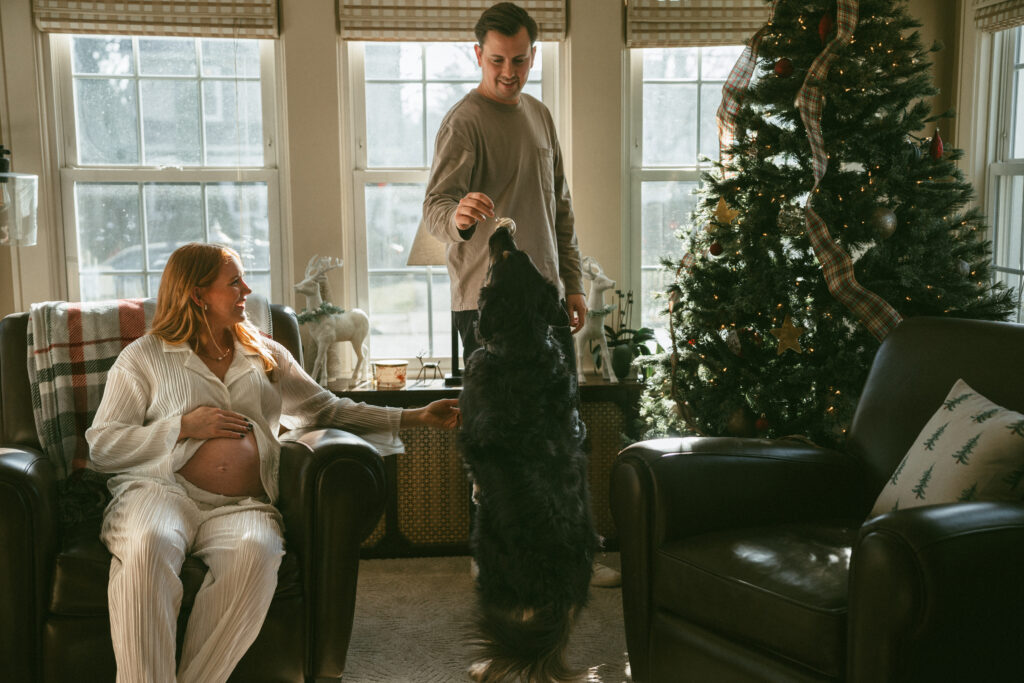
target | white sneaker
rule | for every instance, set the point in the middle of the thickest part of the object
(605, 577)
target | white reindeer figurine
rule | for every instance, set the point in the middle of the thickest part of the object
(593, 328)
(326, 328)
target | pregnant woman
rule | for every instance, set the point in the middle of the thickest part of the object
(188, 425)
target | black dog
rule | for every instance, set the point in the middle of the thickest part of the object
(533, 537)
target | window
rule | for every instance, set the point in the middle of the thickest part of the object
(675, 93)
(400, 93)
(1006, 172)
(165, 141)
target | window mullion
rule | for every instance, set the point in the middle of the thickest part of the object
(137, 84)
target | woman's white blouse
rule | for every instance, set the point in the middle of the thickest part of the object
(153, 383)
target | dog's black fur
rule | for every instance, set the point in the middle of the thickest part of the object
(533, 536)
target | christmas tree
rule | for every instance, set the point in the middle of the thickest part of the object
(781, 302)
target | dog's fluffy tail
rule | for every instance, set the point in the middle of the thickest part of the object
(529, 647)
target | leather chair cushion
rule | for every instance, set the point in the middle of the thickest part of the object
(83, 566)
(781, 588)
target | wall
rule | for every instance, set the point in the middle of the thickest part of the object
(939, 23)
(316, 200)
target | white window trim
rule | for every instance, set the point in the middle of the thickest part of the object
(635, 174)
(355, 151)
(1002, 55)
(70, 173)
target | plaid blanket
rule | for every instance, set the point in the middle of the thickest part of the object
(71, 346)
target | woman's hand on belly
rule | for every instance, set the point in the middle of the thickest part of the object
(227, 466)
(208, 422)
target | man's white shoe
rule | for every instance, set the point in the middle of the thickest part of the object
(605, 577)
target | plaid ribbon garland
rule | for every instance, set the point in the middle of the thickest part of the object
(837, 266)
(735, 85)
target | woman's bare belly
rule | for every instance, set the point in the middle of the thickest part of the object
(229, 467)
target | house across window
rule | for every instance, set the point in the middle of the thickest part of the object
(164, 141)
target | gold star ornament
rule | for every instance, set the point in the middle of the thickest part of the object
(723, 214)
(788, 336)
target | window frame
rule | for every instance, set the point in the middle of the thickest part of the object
(358, 175)
(637, 174)
(1000, 164)
(71, 172)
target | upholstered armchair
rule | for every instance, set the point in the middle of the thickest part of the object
(761, 560)
(53, 601)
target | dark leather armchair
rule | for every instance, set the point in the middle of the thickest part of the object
(751, 560)
(53, 580)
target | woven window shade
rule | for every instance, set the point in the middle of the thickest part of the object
(998, 15)
(201, 18)
(685, 23)
(436, 20)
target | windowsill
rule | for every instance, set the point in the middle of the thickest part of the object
(420, 392)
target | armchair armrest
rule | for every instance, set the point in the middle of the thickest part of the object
(29, 533)
(936, 594)
(332, 493)
(692, 485)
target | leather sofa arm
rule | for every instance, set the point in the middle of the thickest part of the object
(332, 494)
(692, 485)
(29, 529)
(916, 572)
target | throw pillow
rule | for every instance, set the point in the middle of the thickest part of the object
(971, 449)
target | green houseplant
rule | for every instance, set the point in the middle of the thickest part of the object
(625, 343)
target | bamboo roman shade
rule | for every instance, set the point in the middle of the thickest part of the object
(202, 18)
(436, 20)
(998, 15)
(684, 23)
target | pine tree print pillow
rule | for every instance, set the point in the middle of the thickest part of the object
(971, 449)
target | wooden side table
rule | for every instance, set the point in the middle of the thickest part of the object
(428, 509)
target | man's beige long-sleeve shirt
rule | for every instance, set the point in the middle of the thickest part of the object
(511, 154)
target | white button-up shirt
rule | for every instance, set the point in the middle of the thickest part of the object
(153, 384)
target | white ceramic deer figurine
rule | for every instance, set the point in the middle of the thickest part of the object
(326, 328)
(593, 328)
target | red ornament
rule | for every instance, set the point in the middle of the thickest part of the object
(715, 249)
(783, 67)
(825, 27)
(936, 147)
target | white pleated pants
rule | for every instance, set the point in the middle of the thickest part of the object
(149, 528)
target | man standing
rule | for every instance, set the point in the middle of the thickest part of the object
(497, 155)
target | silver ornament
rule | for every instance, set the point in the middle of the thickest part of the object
(883, 221)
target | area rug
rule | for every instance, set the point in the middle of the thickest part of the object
(412, 616)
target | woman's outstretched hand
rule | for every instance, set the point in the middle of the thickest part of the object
(441, 414)
(207, 422)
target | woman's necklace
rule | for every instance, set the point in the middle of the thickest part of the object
(215, 358)
(221, 356)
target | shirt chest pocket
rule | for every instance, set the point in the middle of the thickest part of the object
(546, 170)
